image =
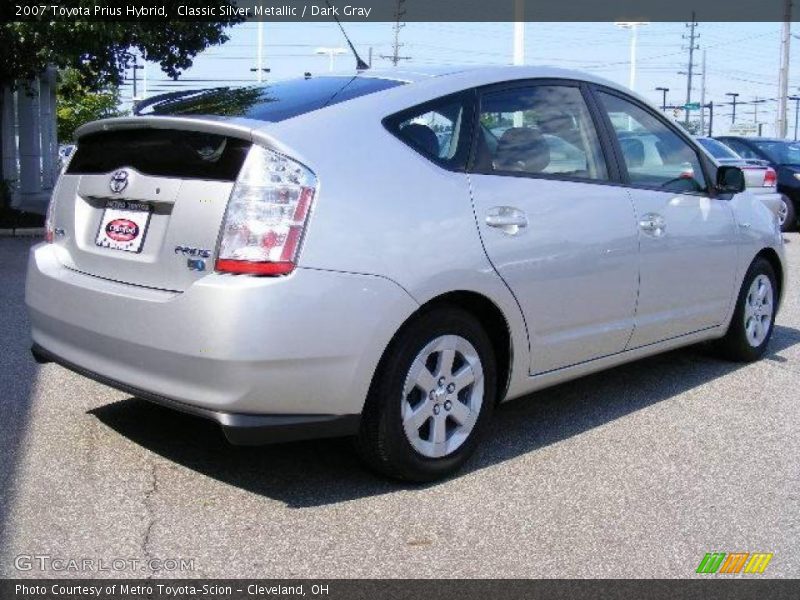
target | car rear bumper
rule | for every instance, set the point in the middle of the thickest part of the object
(239, 429)
(229, 347)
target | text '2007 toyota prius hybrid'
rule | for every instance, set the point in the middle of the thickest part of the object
(388, 255)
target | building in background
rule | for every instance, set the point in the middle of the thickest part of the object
(30, 148)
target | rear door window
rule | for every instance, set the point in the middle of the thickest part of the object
(538, 130)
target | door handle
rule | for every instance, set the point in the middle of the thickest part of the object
(653, 224)
(508, 219)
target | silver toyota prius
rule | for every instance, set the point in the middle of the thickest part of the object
(387, 255)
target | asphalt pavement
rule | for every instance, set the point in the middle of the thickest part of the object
(634, 472)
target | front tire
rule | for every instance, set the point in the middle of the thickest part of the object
(754, 318)
(432, 397)
(787, 216)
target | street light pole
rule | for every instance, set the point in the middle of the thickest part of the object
(734, 96)
(634, 28)
(259, 69)
(330, 52)
(663, 91)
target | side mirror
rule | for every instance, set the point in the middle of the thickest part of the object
(730, 180)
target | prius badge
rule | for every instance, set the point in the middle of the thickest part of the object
(196, 257)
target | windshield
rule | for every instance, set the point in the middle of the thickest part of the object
(272, 102)
(717, 149)
(782, 153)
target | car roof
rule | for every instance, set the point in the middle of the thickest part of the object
(482, 74)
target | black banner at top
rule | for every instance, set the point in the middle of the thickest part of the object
(391, 10)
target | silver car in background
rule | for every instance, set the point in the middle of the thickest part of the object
(387, 255)
(759, 177)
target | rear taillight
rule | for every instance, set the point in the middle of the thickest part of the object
(266, 216)
(770, 177)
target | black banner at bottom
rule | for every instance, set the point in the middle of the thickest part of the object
(397, 589)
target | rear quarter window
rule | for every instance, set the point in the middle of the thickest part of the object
(439, 130)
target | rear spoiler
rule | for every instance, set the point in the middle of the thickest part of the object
(250, 130)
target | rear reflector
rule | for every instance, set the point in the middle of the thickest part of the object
(245, 267)
(267, 214)
(49, 227)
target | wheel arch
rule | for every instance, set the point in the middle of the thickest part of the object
(488, 314)
(771, 256)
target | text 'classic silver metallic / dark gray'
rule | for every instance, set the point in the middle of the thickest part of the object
(386, 255)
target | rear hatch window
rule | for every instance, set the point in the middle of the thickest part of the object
(161, 153)
(272, 102)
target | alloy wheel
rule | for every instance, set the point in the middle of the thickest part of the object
(758, 310)
(442, 396)
(783, 212)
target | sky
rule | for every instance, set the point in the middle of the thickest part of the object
(740, 57)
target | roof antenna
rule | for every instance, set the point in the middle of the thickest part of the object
(360, 64)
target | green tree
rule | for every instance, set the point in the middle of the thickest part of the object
(79, 103)
(99, 52)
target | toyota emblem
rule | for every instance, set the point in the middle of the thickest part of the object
(119, 181)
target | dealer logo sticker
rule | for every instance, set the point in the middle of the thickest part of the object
(122, 230)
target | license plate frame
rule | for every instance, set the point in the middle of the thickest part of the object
(124, 225)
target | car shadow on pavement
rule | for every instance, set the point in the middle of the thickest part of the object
(321, 472)
(18, 374)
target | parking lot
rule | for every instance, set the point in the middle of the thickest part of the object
(634, 472)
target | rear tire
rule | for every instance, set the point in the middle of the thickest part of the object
(754, 318)
(424, 417)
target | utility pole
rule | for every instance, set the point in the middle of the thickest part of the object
(733, 95)
(399, 13)
(663, 91)
(703, 95)
(693, 36)
(711, 118)
(796, 113)
(783, 75)
(144, 76)
(756, 102)
(135, 68)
